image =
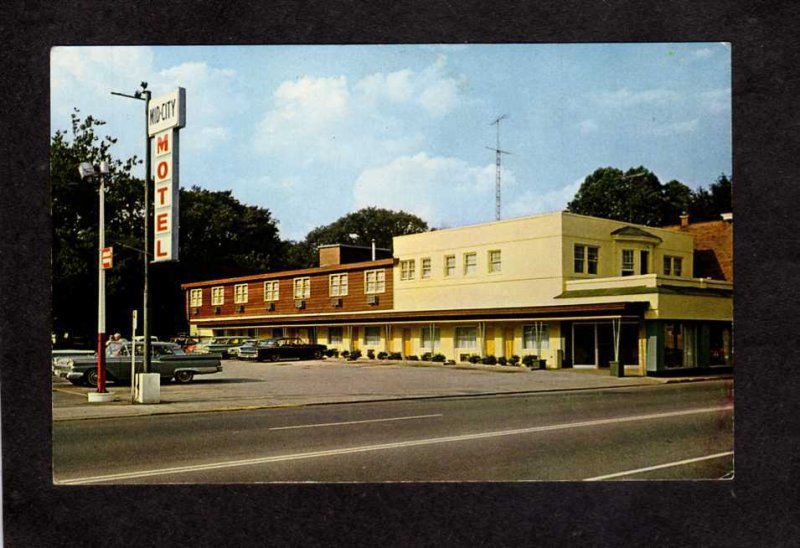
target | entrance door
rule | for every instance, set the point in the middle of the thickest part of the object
(355, 342)
(406, 342)
(583, 347)
(605, 344)
(489, 341)
(508, 338)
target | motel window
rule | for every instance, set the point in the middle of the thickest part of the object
(495, 264)
(426, 338)
(196, 297)
(217, 295)
(407, 269)
(337, 285)
(673, 266)
(374, 281)
(533, 334)
(302, 288)
(425, 267)
(470, 263)
(591, 259)
(372, 336)
(450, 265)
(240, 293)
(585, 259)
(466, 337)
(271, 291)
(334, 335)
(627, 262)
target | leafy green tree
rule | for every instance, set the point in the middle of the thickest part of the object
(635, 196)
(707, 205)
(74, 207)
(357, 228)
(219, 237)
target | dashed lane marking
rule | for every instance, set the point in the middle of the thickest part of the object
(660, 466)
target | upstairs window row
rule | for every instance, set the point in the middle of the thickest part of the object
(338, 286)
(586, 259)
(469, 265)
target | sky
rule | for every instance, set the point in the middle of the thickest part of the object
(315, 132)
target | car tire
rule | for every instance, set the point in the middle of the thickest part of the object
(273, 357)
(184, 376)
(90, 378)
(317, 354)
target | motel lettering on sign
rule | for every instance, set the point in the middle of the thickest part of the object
(166, 115)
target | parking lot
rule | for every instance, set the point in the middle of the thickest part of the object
(247, 385)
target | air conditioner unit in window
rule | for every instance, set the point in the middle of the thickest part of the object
(270, 306)
(336, 301)
(195, 311)
(217, 309)
(299, 304)
(240, 308)
(372, 299)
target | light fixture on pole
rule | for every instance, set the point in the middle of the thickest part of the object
(144, 94)
(87, 170)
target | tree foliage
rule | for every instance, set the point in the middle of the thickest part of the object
(357, 228)
(637, 196)
(219, 237)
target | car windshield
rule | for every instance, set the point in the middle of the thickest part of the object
(267, 342)
(218, 340)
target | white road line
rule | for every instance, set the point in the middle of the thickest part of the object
(658, 467)
(355, 422)
(381, 447)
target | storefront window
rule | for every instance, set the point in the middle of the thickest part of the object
(466, 337)
(720, 344)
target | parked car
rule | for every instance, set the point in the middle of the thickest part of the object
(167, 359)
(69, 353)
(281, 349)
(219, 345)
(233, 352)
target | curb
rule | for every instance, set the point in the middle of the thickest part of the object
(385, 399)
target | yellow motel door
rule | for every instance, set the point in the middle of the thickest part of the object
(508, 339)
(406, 342)
(490, 341)
(355, 343)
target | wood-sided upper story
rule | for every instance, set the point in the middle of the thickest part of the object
(331, 289)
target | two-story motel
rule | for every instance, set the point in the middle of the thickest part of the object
(574, 290)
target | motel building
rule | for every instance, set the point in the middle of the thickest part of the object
(570, 289)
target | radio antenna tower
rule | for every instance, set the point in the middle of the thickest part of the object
(498, 152)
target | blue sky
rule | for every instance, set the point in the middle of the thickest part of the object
(315, 132)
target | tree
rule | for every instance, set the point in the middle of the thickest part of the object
(708, 205)
(358, 228)
(635, 196)
(219, 237)
(74, 206)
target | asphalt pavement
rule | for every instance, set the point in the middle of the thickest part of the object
(246, 385)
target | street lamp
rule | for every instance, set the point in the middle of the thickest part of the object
(144, 94)
(87, 170)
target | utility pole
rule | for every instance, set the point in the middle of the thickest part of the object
(144, 94)
(498, 152)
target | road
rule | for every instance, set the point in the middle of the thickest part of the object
(670, 431)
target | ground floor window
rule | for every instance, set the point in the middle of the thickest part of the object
(536, 337)
(466, 337)
(429, 343)
(335, 335)
(680, 342)
(593, 343)
(372, 336)
(720, 337)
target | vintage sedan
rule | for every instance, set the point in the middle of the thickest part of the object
(219, 345)
(283, 348)
(233, 352)
(167, 359)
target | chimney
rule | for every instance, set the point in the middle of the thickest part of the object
(684, 220)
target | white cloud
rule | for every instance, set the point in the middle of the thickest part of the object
(305, 117)
(676, 128)
(624, 98)
(395, 86)
(703, 53)
(532, 202)
(99, 69)
(716, 101)
(438, 189)
(588, 126)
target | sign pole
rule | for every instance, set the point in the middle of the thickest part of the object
(146, 292)
(134, 321)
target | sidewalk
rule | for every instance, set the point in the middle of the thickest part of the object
(244, 386)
